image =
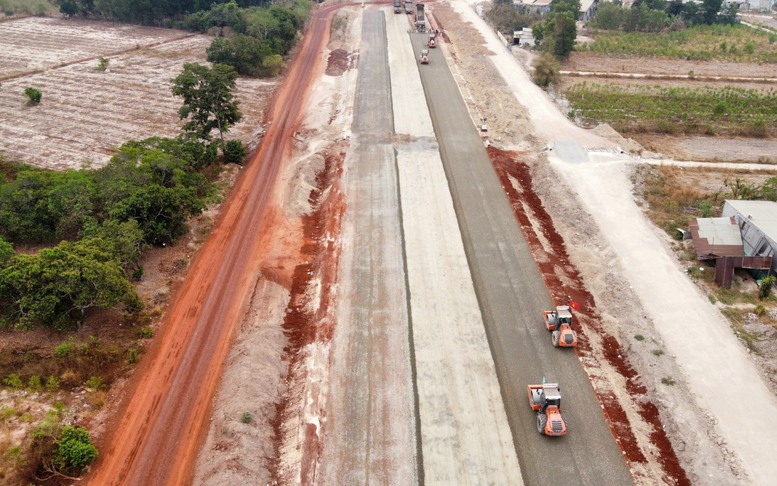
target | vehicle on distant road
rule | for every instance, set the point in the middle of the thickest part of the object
(431, 42)
(424, 57)
(397, 6)
(545, 399)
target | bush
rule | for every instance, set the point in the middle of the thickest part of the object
(74, 449)
(102, 63)
(34, 384)
(546, 71)
(94, 383)
(13, 381)
(246, 418)
(63, 350)
(235, 152)
(133, 356)
(765, 287)
(146, 332)
(53, 384)
(34, 95)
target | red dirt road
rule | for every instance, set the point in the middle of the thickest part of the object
(163, 419)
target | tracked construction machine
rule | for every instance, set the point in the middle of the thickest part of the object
(559, 322)
(545, 399)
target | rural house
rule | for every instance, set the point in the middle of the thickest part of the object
(744, 237)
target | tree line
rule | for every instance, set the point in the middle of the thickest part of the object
(100, 221)
(662, 15)
(147, 12)
(253, 36)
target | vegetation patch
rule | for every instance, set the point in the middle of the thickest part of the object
(639, 108)
(736, 43)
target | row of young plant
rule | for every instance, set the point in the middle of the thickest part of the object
(735, 43)
(708, 110)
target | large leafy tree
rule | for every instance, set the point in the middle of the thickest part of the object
(208, 100)
(242, 52)
(58, 285)
(557, 34)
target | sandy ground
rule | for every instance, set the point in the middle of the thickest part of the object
(622, 262)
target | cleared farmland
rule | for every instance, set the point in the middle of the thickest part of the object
(85, 112)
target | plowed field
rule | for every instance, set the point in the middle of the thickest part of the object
(85, 113)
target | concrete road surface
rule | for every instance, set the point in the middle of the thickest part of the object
(512, 296)
(370, 431)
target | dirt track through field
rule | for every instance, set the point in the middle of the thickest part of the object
(163, 416)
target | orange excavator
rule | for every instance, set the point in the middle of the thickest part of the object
(559, 321)
(545, 399)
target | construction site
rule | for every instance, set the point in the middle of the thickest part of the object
(427, 273)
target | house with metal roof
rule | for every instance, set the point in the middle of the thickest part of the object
(744, 237)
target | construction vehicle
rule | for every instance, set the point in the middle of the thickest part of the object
(424, 57)
(559, 322)
(545, 399)
(408, 6)
(397, 6)
(420, 18)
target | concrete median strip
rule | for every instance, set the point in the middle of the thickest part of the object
(465, 437)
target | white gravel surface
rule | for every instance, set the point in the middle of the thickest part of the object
(722, 378)
(465, 436)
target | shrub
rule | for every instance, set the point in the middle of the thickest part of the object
(639, 337)
(668, 381)
(102, 63)
(146, 332)
(546, 71)
(246, 418)
(33, 95)
(657, 352)
(34, 384)
(94, 383)
(74, 449)
(759, 310)
(53, 384)
(13, 381)
(234, 152)
(7, 412)
(765, 287)
(63, 350)
(132, 355)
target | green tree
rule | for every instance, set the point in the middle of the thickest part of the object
(563, 31)
(74, 450)
(242, 52)
(6, 252)
(609, 16)
(58, 285)
(68, 8)
(711, 9)
(208, 101)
